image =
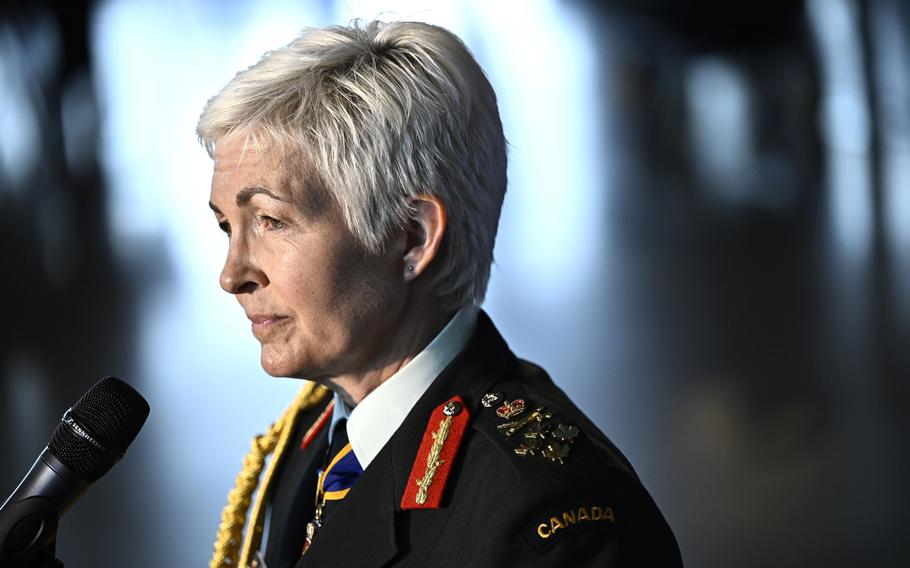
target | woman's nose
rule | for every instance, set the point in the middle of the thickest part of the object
(240, 273)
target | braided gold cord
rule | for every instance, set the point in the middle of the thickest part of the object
(234, 516)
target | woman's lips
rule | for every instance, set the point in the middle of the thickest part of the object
(263, 322)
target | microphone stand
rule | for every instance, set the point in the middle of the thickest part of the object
(34, 546)
(28, 530)
(45, 558)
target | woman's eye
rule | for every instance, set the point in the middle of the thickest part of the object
(224, 226)
(271, 222)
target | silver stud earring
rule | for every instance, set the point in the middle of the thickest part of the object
(410, 268)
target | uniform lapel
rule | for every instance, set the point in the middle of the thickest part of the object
(292, 500)
(361, 529)
(365, 529)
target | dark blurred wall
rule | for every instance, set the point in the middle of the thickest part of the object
(760, 279)
(70, 310)
(732, 306)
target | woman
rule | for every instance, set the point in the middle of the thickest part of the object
(359, 175)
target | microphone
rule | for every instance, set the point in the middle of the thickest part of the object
(92, 436)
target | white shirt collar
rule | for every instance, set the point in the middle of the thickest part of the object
(372, 423)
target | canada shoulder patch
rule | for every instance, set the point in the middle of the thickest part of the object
(570, 519)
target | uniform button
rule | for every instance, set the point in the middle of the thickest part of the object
(451, 408)
(490, 399)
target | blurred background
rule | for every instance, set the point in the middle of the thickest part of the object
(706, 241)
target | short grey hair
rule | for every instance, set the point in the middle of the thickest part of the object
(383, 113)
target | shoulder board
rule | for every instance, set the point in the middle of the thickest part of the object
(528, 428)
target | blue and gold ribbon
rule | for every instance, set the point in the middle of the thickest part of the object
(340, 474)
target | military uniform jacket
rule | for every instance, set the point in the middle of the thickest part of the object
(497, 508)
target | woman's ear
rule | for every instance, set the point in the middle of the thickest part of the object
(424, 232)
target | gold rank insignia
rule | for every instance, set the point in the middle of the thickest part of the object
(540, 436)
(511, 409)
(511, 428)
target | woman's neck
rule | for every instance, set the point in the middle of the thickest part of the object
(415, 330)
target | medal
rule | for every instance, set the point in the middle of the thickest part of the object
(315, 524)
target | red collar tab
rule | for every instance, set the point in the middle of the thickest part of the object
(317, 426)
(437, 453)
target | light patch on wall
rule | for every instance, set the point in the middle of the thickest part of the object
(892, 61)
(719, 103)
(19, 136)
(448, 14)
(844, 122)
(551, 230)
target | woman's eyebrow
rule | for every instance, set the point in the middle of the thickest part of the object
(247, 193)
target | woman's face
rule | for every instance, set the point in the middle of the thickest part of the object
(318, 303)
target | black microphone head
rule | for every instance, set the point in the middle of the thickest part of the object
(95, 433)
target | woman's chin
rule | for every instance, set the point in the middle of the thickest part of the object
(277, 366)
